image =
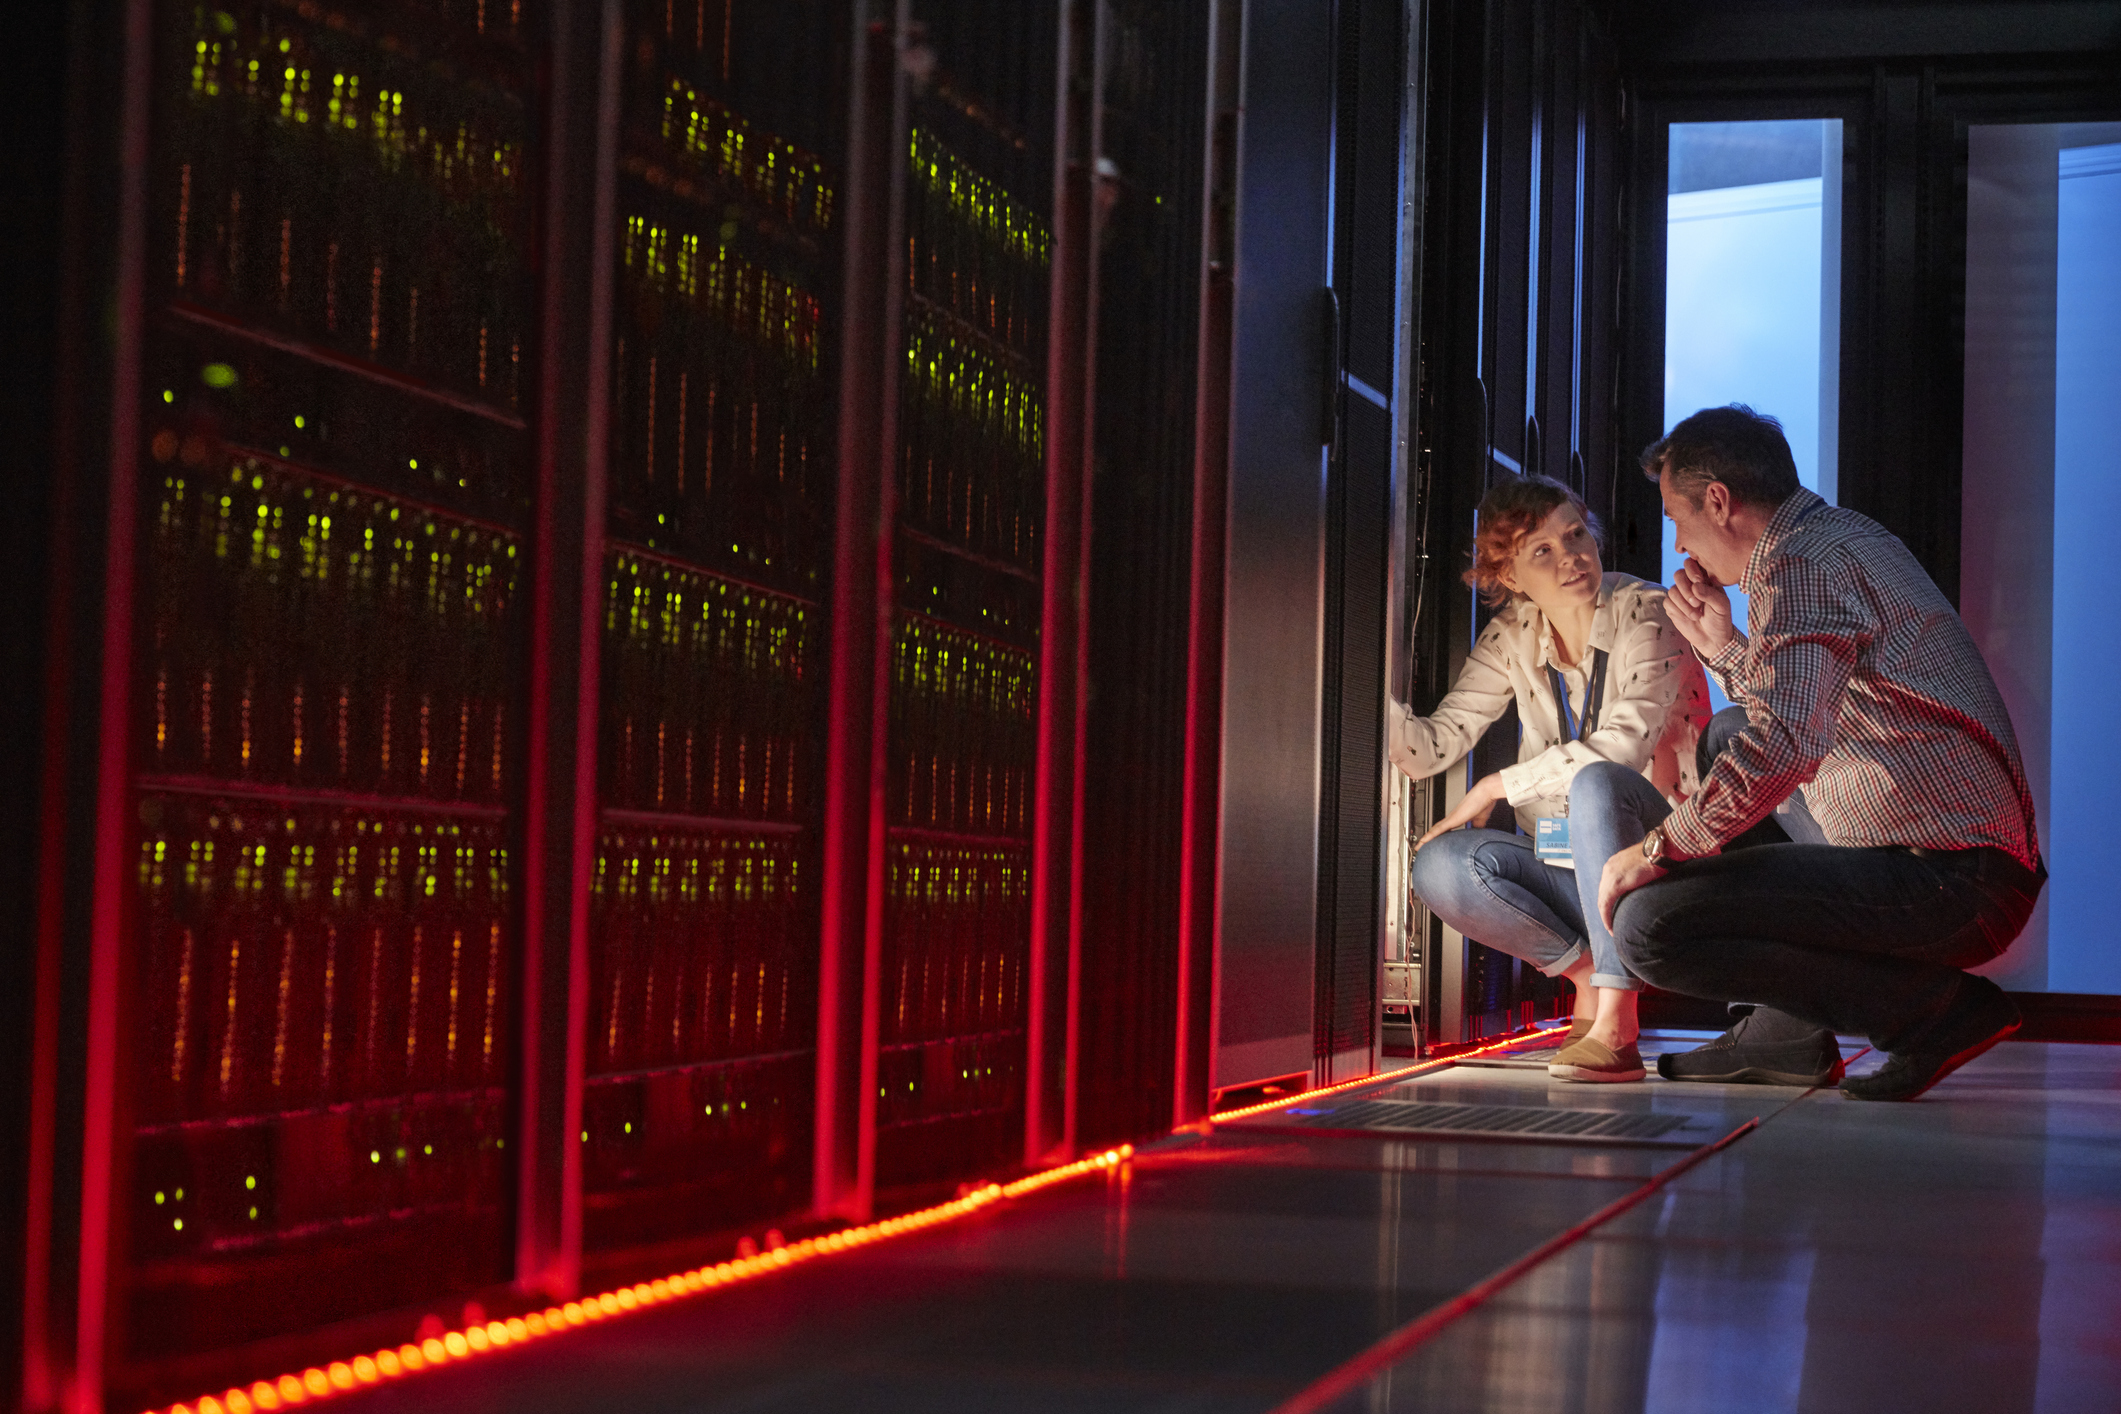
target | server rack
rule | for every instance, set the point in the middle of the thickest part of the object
(969, 585)
(697, 1095)
(327, 700)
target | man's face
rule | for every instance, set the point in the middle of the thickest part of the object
(1704, 531)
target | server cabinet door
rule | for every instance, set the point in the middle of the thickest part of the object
(1360, 494)
(1274, 645)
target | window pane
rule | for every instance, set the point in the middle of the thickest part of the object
(1752, 284)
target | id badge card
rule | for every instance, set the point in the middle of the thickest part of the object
(1551, 844)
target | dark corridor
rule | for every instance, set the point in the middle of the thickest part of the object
(650, 632)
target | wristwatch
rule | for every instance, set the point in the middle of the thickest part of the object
(1653, 846)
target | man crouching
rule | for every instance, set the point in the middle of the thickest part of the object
(1860, 685)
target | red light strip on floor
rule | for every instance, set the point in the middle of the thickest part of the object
(1418, 1068)
(1340, 1383)
(346, 1376)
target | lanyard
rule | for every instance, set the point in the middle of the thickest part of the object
(1593, 699)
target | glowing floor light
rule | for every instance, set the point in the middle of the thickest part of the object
(413, 1357)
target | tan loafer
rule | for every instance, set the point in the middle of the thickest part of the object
(1597, 1062)
(1578, 1029)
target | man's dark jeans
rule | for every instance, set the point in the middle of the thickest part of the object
(1869, 942)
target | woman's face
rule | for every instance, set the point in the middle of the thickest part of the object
(1556, 564)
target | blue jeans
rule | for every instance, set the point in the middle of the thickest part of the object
(1791, 823)
(1491, 887)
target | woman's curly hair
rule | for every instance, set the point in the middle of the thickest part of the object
(1511, 510)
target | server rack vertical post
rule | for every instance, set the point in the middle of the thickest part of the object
(1055, 966)
(1403, 930)
(844, 1162)
(35, 553)
(1200, 850)
(68, 1315)
(582, 119)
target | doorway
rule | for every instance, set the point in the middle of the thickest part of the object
(2041, 482)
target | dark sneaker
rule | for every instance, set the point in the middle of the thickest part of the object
(1595, 1061)
(1735, 1059)
(1978, 1018)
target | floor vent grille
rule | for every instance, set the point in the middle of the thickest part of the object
(1516, 1121)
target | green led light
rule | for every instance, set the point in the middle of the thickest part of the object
(374, 1157)
(169, 395)
(250, 1181)
(160, 1198)
(299, 421)
(218, 375)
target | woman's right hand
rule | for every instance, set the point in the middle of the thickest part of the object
(1478, 802)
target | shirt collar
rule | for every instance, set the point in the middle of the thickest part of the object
(1794, 508)
(1601, 625)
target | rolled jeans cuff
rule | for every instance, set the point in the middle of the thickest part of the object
(1620, 982)
(1566, 961)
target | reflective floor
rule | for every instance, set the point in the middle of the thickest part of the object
(1959, 1253)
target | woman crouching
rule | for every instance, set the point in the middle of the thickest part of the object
(1598, 673)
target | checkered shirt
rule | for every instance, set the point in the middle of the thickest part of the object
(1861, 685)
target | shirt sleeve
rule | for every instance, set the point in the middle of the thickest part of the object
(1728, 667)
(1648, 673)
(1808, 635)
(1422, 746)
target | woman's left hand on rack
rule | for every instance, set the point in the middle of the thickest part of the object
(1481, 799)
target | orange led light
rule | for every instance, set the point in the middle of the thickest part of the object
(344, 1376)
(363, 1370)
